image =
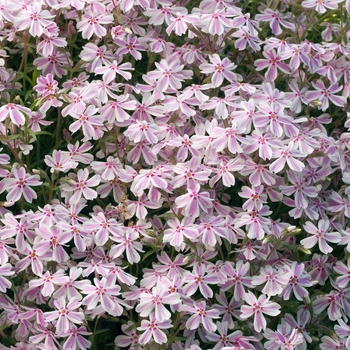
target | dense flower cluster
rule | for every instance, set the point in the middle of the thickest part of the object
(174, 174)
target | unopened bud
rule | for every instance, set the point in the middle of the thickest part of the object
(316, 103)
(304, 250)
(291, 228)
(268, 239)
(7, 204)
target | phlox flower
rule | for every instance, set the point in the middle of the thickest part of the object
(201, 315)
(48, 282)
(181, 22)
(110, 70)
(300, 189)
(275, 280)
(60, 161)
(97, 56)
(102, 226)
(15, 112)
(321, 6)
(54, 63)
(324, 95)
(298, 280)
(75, 339)
(226, 137)
(276, 19)
(286, 155)
(169, 73)
(69, 288)
(108, 170)
(46, 85)
(193, 201)
(114, 110)
(272, 61)
(178, 231)
(228, 309)
(186, 145)
(131, 338)
(199, 278)
(329, 343)
(38, 118)
(256, 223)
(19, 185)
(154, 302)
(221, 69)
(79, 153)
(258, 173)
(224, 171)
(285, 338)
(130, 45)
(34, 18)
(87, 121)
(52, 238)
(237, 279)
(300, 324)
(34, 258)
(152, 329)
(258, 307)
(49, 43)
(128, 243)
(342, 281)
(93, 24)
(5, 270)
(255, 197)
(172, 267)
(102, 292)
(244, 37)
(81, 186)
(320, 235)
(215, 22)
(343, 331)
(223, 338)
(77, 4)
(147, 178)
(189, 173)
(142, 130)
(65, 314)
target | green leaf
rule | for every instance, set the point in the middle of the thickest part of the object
(148, 254)
(168, 215)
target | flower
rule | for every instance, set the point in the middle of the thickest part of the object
(65, 314)
(200, 315)
(298, 280)
(81, 187)
(127, 242)
(152, 329)
(272, 61)
(324, 95)
(169, 73)
(320, 235)
(193, 201)
(93, 24)
(16, 113)
(19, 185)
(236, 278)
(154, 301)
(103, 292)
(34, 18)
(221, 69)
(258, 307)
(75, 339)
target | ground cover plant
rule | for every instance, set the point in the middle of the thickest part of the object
(174, 174)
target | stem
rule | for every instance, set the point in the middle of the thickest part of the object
(59, 116)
